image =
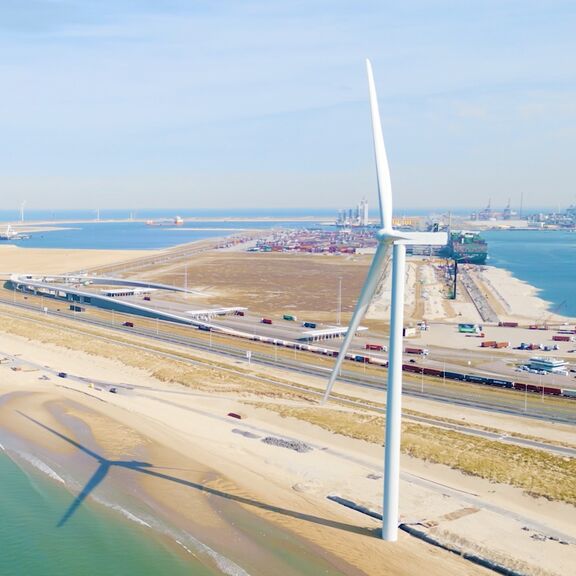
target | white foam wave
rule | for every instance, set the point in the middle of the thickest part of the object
(130, 516)
(126, 513)
(42, 466)
(185, 547)
(2, 447)
(226, 565)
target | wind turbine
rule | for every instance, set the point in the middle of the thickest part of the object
(389, 240)
(22, 206)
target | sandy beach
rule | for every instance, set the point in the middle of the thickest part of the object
(217, 476)
(222, 475)
(58, 261)
(224, 482)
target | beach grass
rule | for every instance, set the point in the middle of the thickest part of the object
(537, 472)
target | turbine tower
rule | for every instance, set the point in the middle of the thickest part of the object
(22, 206)
(389, 240)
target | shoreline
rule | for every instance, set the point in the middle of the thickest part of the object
(228, 479)
(526, 290)
(20, 224)
(256, 504)
(499, 283)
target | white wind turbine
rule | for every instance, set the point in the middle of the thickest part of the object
(388, 238)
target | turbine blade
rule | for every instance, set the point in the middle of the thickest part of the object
(382, 169)
(370, 285)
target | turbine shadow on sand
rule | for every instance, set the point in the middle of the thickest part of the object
(151, 470)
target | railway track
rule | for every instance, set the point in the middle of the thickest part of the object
(466, 395)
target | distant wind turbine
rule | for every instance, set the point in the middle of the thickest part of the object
(22, 206)
(388, 239)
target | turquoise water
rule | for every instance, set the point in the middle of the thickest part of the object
(98, 542)
(544, 258)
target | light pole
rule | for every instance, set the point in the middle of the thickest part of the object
(422, 375)
(339, 311)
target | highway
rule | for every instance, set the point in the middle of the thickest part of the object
(135, 389)
(455, 393)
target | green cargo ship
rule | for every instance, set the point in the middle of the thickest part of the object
(467, 248)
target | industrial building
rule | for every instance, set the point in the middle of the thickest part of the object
(547, 364)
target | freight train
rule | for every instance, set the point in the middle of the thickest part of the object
(414, 369)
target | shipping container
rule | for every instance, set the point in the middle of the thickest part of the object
(309, 325)
(434, 372)
(454, 375)
(266, 321)
(498, 382)
(289, 317)
(502, 345)
(508, 324)
(378, 347)
(412, 368)
(469, 328)
(488, 344)
(561, 338)
(475, 378)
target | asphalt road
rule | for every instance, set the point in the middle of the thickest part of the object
(135, 389)
(463, 394)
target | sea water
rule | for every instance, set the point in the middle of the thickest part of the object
(544, 258)
(98, 542)
(139, 236)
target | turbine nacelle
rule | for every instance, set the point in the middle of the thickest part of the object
(389, 235)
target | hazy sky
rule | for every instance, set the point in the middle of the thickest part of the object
(184, 103)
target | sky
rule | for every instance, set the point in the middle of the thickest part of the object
(239, 104)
